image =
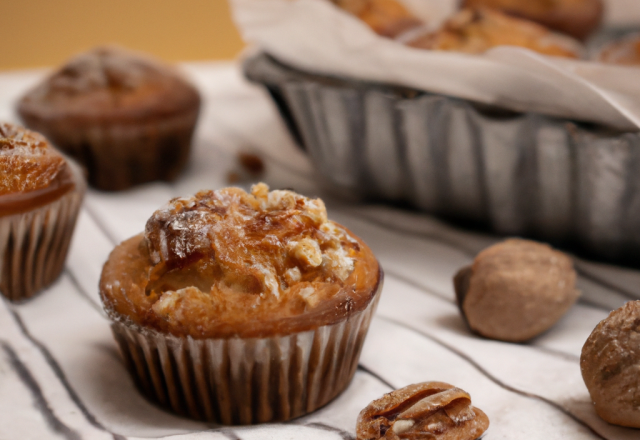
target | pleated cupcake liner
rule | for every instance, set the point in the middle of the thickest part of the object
(34, 244)
(516, 173)
(119, 156)
(241, 381)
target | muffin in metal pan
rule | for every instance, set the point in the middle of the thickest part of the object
(517, 173)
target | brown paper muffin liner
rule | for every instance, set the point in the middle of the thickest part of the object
(34, 244)
(119, 156)
(245, 381)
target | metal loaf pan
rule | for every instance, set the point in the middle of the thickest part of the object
(518, 174)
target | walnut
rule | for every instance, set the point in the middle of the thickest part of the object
(610, 364)
(516, 290)
(429, 410)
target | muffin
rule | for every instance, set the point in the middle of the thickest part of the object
(625, 52)
(40, 196)
(241, 308)
(127, 118)
(478, 30)
(578, 18)
(388, 18)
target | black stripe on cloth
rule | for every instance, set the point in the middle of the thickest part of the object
(83, 293)
(418, 286)
(563, 354)
(100, 224)
(490, 376)
(607, 284)
(39, 400)
(231, 435)
(380, 379)
(413, 234)
(471, 253)
(57, 370)
(324, 427)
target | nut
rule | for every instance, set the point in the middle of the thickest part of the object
(516, 290)
(251, 162)
(610, 364)
(428, 410)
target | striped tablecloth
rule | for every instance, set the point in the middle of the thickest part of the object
(61, 375)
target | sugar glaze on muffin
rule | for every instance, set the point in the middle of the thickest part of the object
(225, 263)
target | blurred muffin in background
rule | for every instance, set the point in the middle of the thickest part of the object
(388, 18)
(625, 51)
(578, 18)
(128, 118)
(478, 30)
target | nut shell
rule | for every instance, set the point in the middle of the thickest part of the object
(610, 364)
(515, 290)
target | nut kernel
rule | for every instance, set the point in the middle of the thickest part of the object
(433, 410)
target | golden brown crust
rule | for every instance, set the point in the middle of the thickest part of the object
(388, 18)
(578, 18)
(516, 290)
(478, 30)
(109, 85)
(625, 52)
(433, 410)
(225, 263)
(27, 161)
(610, 364)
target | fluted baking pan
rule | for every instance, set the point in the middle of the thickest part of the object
(519, 174)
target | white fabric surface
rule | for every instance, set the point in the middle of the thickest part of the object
(61, 375)
(317, 36)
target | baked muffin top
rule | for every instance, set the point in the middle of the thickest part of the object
(228, 263)
(478, 30)
(577, 18)
(112, 84)
(625, 52)
(27, 161)
(388, 18)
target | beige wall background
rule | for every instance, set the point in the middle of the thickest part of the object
(36, 33)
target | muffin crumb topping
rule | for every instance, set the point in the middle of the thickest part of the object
(267, 243)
